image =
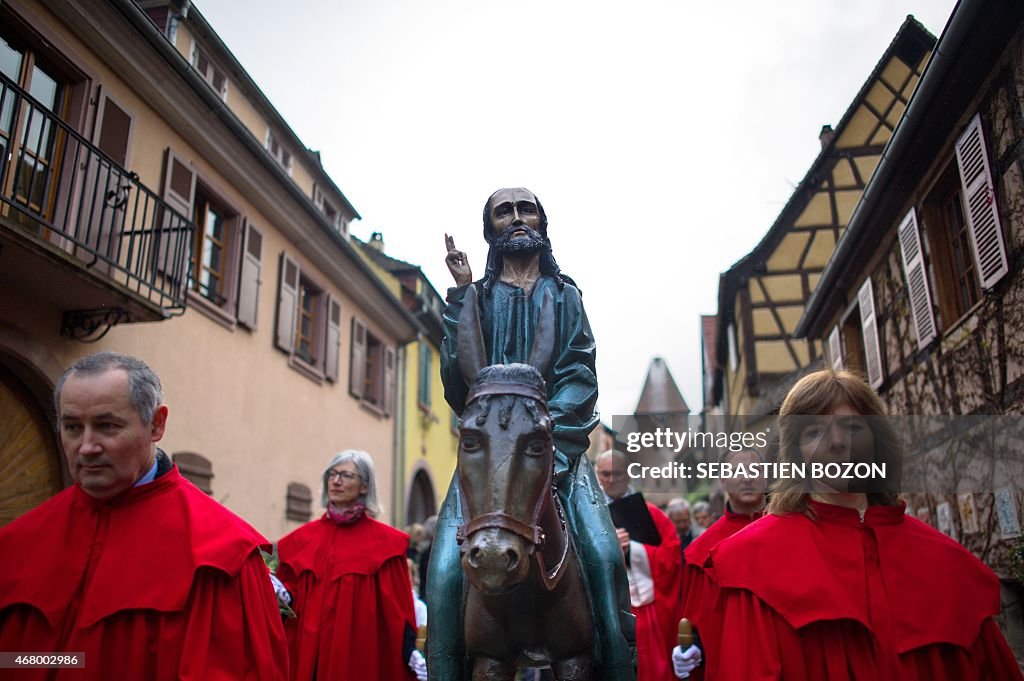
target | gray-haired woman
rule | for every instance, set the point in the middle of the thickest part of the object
(350, 583)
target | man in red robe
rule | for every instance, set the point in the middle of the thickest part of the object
(654, 573)
(744, 501)
(133, 567)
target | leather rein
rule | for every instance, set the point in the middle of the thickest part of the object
(532, 531)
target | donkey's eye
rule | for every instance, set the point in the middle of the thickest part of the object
(536, 448)
(470, 444)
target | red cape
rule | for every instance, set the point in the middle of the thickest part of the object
(161, 582)
(700, 587)
(353, 598)
(657, 622)
(839, 598)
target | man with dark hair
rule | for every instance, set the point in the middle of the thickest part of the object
(521, 271)
(132, 566)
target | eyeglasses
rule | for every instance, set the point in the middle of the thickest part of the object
(346, 476)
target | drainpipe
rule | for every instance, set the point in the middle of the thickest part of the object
(398, 455)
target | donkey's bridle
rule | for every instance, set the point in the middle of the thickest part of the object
(532, 532)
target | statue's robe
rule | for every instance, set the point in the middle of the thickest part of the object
(160, 583)
(886, 598)
(508, 319)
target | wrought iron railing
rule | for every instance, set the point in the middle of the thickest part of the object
(56, 184)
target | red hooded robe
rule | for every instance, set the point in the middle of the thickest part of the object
(700, 587)
(886, 598)
(159, 583)
(657, 622)
(353, 598)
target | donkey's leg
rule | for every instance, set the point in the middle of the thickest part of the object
(573, 668)
(489, 669)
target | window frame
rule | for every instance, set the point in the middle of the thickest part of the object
(319, 369)
(224, 312)
(212, 70)
(375, 391)
(283, 156)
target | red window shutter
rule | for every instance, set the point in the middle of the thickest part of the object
(357, 360)
(249, 276)
(174, 246)
(388, 386)
(980, 204)
(287, 304)
(332, 349)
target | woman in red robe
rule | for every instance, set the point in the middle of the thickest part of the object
(837, 582)
(349, 580)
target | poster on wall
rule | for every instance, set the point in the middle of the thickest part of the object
(1006, 511)
(944, 517)
(968, 513)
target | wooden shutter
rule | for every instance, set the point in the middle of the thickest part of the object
(917, 280)
(835, 352)
(113, 131)
(357, 360)
(980, 205)
(388, 381)
(287, 304)
(249, 276)
(332, 348)
(101, 221)
(869, 329)
(174, 246)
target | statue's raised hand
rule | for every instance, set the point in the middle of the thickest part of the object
(457, 263)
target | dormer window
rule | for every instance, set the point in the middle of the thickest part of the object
(280, 154)
(330, 211)
(210, 73)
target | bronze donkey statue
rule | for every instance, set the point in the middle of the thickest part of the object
(526, 603)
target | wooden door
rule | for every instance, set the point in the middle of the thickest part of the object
(30, 470)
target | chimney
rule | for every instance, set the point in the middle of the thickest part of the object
(377, 242)
(826, 135)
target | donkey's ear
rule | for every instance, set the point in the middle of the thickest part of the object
(543, 351)
(470, 346)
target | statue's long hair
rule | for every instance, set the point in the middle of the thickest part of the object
(548, 265)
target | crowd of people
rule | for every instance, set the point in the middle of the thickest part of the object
(821, 583)
(146, 577)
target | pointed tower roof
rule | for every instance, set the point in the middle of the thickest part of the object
(660, 394)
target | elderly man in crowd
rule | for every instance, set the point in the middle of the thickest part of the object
(133, 568)
(654, 574)
(678, 511)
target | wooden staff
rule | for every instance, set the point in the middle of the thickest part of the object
(685, 634)
(421, 638)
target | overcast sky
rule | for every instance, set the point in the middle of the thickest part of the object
(662, 136)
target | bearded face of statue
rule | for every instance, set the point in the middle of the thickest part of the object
(515, 219)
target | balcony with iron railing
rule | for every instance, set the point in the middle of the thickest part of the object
(79, 231)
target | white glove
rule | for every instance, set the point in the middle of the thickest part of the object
(418, 665)
(282, 593)
(684, 662)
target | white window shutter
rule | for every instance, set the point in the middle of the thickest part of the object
(980, 205)
(917, 280)
(287, 304)
(869, 329)
(173, 250)
(249, 276)
(357, 360)
(332, 347)
(835, 352)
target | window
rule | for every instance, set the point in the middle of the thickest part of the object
(425, 374)
(195, 468)
(210, 73)
(328, 208)
(957, 285)
(964, 232)
(371, 369)
(858, 333)
(299, 502)
(280, 154)
(225, 256)
(30, 140)
(308, 322)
